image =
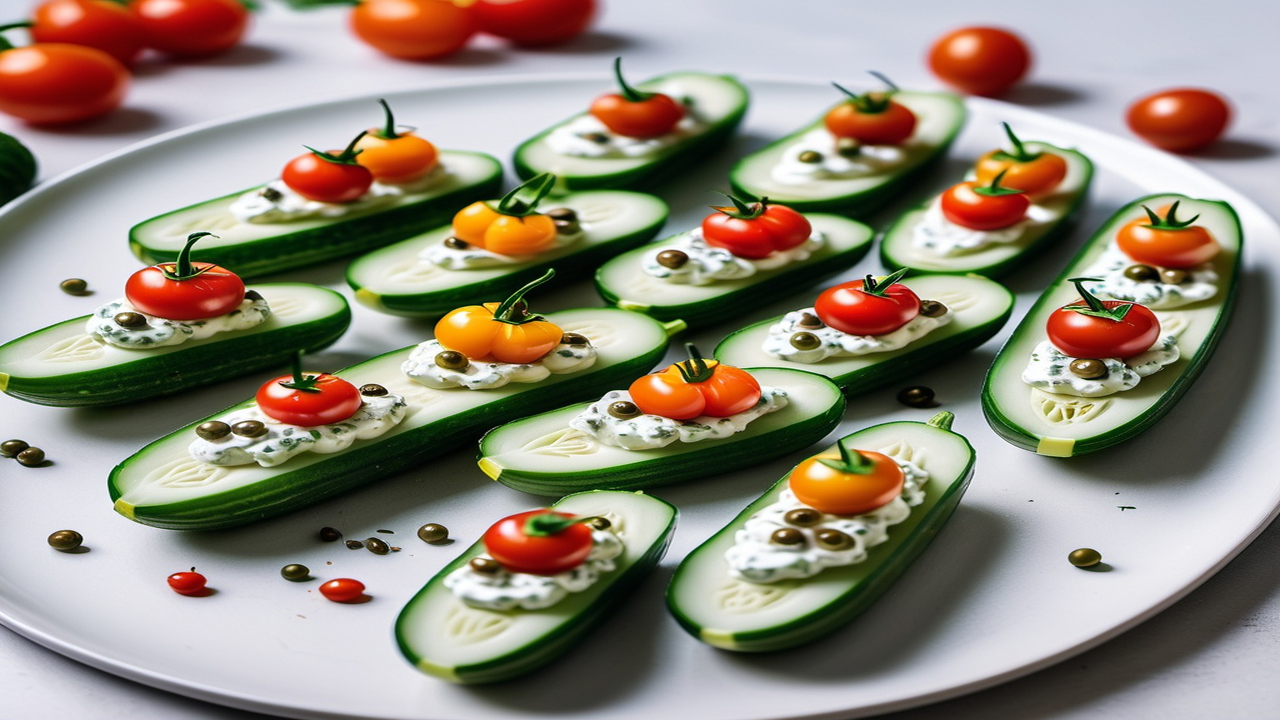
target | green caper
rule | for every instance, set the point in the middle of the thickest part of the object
(294, 572)
(456, 243)
(271, 194)
(1088, 368)
(805, 341)
(917, 396)
(624, 409)
(213, 430)
(11, 448)
(803, 517)
(1142, 273)
(596, 137)
(562, 213)
(809, 156)
(372, 390)
(932, 308)
(567, 227)
(809, 320)
(252, 295)
(848, 147)
(484, 565)
(130, 319)
(1174, 276)
(74, 286)
(452, 360)
(829, 539)
(1084, 557)
(249, 428)
(329, 534)
(31, 457)
(672, 259)
(599, 523)
(574, 339)
(433, 533)
(355, 545)
(65, 540)
(787, 537)
(377, 546)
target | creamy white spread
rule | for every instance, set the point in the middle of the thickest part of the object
(829, 163)
(473, 258)
(586, 136)
(1201, 282)
(940, 236)
(755, 559)
(160, 332)
(507, 590)
(647, 432)
(1048, 369)
(377, 415)
(834, 343)
(708, 264)
(485, 374)
(275, 202)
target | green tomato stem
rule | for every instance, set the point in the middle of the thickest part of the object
(4, 42)
(740, 209)
(871, 287)
(695, 369)
(628, 92)
(994, 189)
(389, 131)
(346, 157)
(182, 268)
(1094, 307)
(548, 523)
(513, 205)
(1170, 221)
(301, 381)
(510, 310)
(851, 462)
(1020, 153)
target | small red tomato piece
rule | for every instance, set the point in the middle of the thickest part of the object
(343, 590)
(102, 24)
(188, 583)
(192, 28)
(755, 236)
(1179, 120)
(849, 308)
(1086, 336)
(980, 60)
(413, 29)
(510, 542)
(318, 399)
(534, 22)
(55, 83)
(652, 117)
(316, 178)
(963, 205)
(890, 126)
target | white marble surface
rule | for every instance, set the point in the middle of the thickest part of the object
(1211, 655)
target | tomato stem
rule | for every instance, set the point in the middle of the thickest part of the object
(512, 311)
(740, 209)
(347, 156)
(1020, 153)
(630, 93)
(301, 381)
(1094, 307)
(851, 462)
(550, 523)
(511, 204)
(182, 269)
(695, 369)
(1170, 220)
(871, 287)
(994, 189)
(4, 42)
(870, 102)
(389, 131)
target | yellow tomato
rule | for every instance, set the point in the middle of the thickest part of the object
(854, 482)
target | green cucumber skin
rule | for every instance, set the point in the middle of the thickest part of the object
(17, 168)
(858, 598)
(341, 238)
(526, 659)
(365, 462)
(174, 372)
(1020, 437)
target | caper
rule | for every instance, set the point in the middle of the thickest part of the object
(271, 194)
(1174, 276)
(329, 534)
(213, 430)
(484, 565)
(624, 409)
(252, 295)
(805, 341)
(373, 390)
(1142, 273)
(932, 308)
(672, 259)
(433, 533)
(355, 545)
(803, 517)
(596, 137)
(1088, 368)
(452, 360)
(562, 213)
(377, 546)
(599, 523)
(130, 319)
(567, 227)
(31, 457)
(829, 539)
(65, 540)
(809, 156)
(249, 428)
(809, 320)
(1084, 557)
(574, 339)
(294, 572)
(74, 286)
(917, 396)
(787, 537)
(456, 243)
(11, 448)
(848, 147)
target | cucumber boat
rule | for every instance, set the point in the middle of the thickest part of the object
(1061, 425)
(63, 365)
(256, 249)
(396, 280)
(734, 614)
(443, 637)
(980, 306)
(542, 455)
(163, 486)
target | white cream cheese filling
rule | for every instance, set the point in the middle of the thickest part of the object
(1049, 369)
(647, 432)
(161, 332)
(507, 590)
(707, 264)
(485, 374)
(835, 343)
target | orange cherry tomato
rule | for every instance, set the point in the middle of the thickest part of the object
(520, 235)
(1164, 241)
(539, 542)
(980, 60)
(471, 221)
(413, 29)
(696, 387)
(54, 83)
(504, 332)
(513, 227)
(395, 157)
(1036, 174)
(102, 24)
(1179, 120)
(192, 28)
(984, 207)
(636, 114)
(850, 483)
(872, 118)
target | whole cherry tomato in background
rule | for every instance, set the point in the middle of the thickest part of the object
(980, 60)
(755, 231)
(1093, 328)
(1179, 120)
(636, 114)
(534, 22)
(184, 290)
(539, 542)
(1165, 241)
(103, 24)
(984, 207)
(868, 307)
(188, 582)
(55, 83)
(872, 118)
(308, 400)
(854, 482)
(331, 177)
(192, 28)
(413, 29)
(343, 590)
(695, 387)
(1035, 173)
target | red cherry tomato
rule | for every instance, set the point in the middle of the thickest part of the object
(343, 590)
(332, 177)
(980, 60)
(868, 307)
(695, 387)
(188, 583)
(989, 207)
(636, 114)
(755, 231)
(184, 290)
(413, 29)
(1128, 332)
(534, 22)
(192, 28)
(872, 118)
(1164, 241)
(54, 83)
(308, 400)
(102, 24)
(539, 542)
(1179, 120)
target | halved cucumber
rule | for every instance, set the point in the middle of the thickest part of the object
(62, 365)
(17, 168)
(939, 118)
(1065, 425)
(719, 99)
(621, 281)
(898, 249)
(981, 308)
(733, 614)
(394, 280)
(543, 456)
(255, 249)
(162, 485)
(443, 637)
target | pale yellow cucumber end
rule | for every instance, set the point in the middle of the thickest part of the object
(718, 638)
(440, 671)
(1056, 447)
(632, 306)
(125, 508)
(490, 467)
(4, 381)
(370, 298)
(674, 326)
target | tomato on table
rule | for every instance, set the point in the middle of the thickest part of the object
(192, 28)
(1093, 328)
(868, 306)
(636, 114)
(102, 24)
(514, 226)
(413, 29)
(984, 207)
(185, 290)
(56, 83)
(872, 118)
(189, 582)
(696, 387)
(331, 177)
(503, 332)
(980, 60)
(757, 230)
(308, 400)
(534, 22)
(343, 590)
(1035, 173)
(854, 482)
(539, 542)
(393, 156)
(1179, 120)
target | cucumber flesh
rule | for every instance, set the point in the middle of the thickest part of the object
(162, 485)
(543, 456)
(443, 637)
(737, 615)
(981, 308)
(1065, 425)
(63, 365)
(623, 283)
(395, 281)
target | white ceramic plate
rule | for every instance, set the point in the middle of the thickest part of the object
(992, 599)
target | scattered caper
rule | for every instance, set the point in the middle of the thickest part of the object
(11, 448)
(805, 341)
(562, 213)
(271, 194)
(31, 457)
(803, 517)
(74, 286)
(574, 339)
(672, 259)
(252, 295)
(917, 396)
(829, 539)
(1142, 273)
(452, 360)
(484, 565)
(377, 546)
(1174, 276)
(433, 533)
(213, 430)
(596, 137)
(848, 147)
(809, 156)
(599, 523)
(932, 308)
(567, 227)
(809, 320)
(65, 540)
(1084, 557)
(373, 390)
(355, 545)
(329, 534)
(787, 537)
(249, 428)
(294, 572)
(624, 409)
(130, 319)
(1088, 368)
(456, 243)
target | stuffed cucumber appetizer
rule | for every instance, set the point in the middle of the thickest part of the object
(666, 427)
(533, 585)
(740, 257)
(432, 273)
(869, 333)
(826, 541)
(1115, 341)
(858, 156)
(1017, 203)
(409, 405)
(639, 134)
